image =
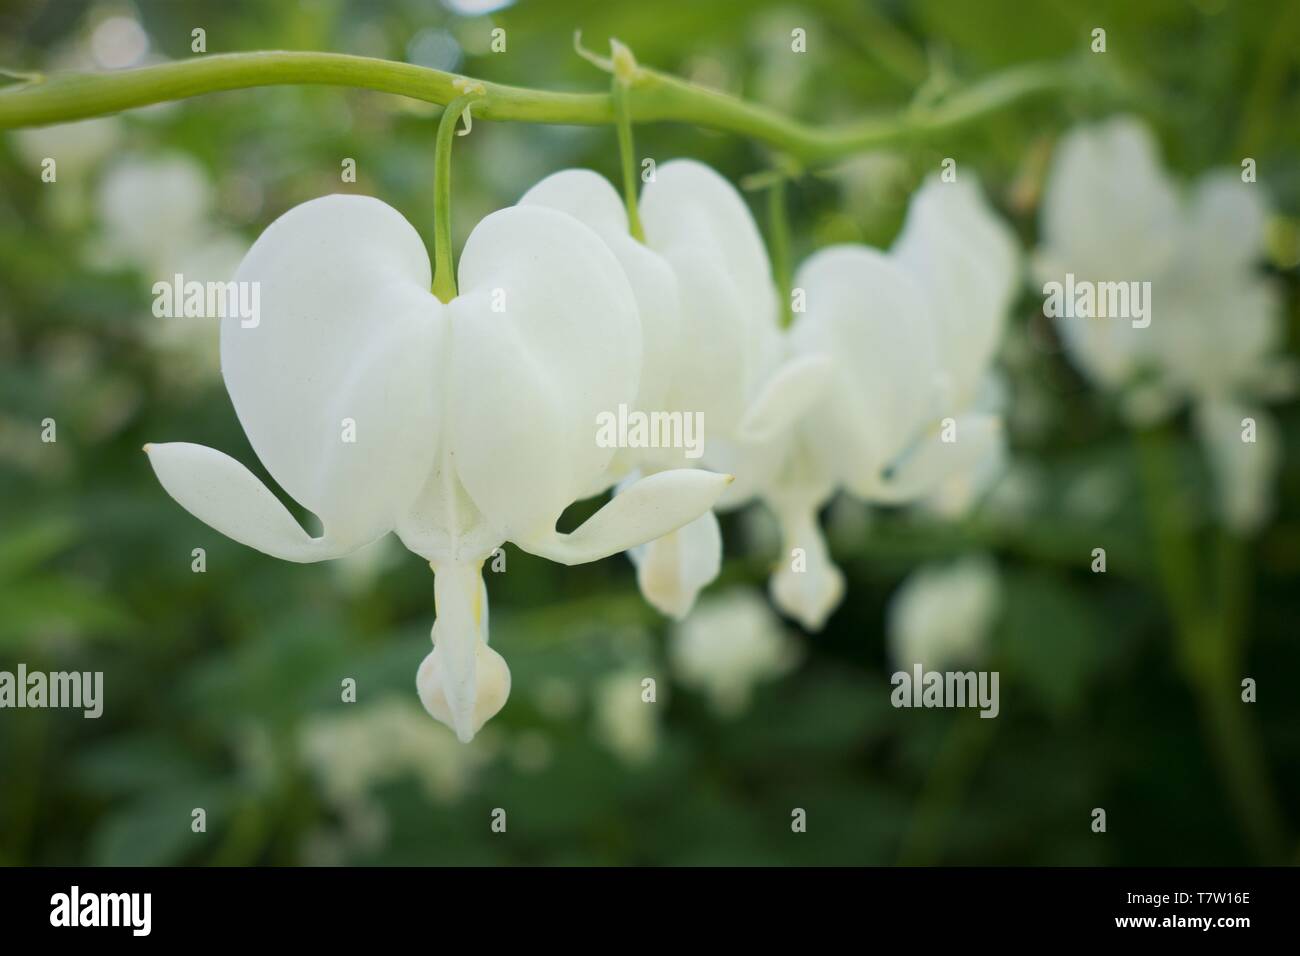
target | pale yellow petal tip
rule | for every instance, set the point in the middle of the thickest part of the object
(730, 478)
(148, 447)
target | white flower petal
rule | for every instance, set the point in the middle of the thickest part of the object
(966, 260)
(591, 200)
(348, 345)
(729, 338)
(647, 509)
(528, 382)
(225, 495)
(672, 570)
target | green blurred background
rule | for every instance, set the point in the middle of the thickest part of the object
(222, 687)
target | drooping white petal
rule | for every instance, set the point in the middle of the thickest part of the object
(462, 682)
(591, 200)
(337, 383)
(649, 508)
(529, 378)
(225, 495)
(672, 570)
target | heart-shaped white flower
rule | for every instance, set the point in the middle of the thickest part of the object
(459, 425)
(1214, 331)
(910, 336)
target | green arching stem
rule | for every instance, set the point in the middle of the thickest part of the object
(619, 90)
(444, 272)
(659, 97)
(778, 228)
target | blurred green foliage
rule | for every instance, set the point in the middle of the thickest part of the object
(214, 681)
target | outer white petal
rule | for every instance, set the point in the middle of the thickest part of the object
(672, 570)
(713, 365)
(647, 509)
(591, 200)
(865, 311)
(966, 260)
(527, 383)
(222, 493)
(348, 331)
(689, 205)
(728, 339)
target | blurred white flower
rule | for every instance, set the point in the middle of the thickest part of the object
(366, 745)
(77, 148)
(942, 614)
(155, 217)
(1112, 214)
(906, 411)
(625, 722)
(155, 213)
(732, 643)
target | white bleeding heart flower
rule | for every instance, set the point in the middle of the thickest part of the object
(458, 425)
(731, 644)
(708, 308)
(942, 614)
(904, 411)
(1214, 337)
